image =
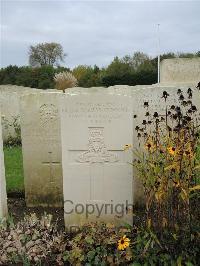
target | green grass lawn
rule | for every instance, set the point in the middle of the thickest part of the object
(14, 169)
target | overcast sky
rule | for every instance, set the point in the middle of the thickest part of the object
(93, 32)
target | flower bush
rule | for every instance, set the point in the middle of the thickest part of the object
(99, 244)
(169, 165)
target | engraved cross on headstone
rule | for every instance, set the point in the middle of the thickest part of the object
(51, 164)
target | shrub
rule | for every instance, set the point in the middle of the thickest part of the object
(65, 80)
(31, 240)
(15, 124)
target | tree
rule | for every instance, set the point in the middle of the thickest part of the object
(9, 74)
(87, 76)
(118, 67)
(198, 54)
(46, 54)
(136, 60)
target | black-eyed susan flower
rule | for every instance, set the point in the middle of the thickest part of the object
(194, 109)
(150, 146)
(165, 95)
(181, 97)
(155, 114)
(171, 150)
(123, 243)
(179, 91)
(127, 147)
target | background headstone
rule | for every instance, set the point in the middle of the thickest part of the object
(180, 70)
(3, 196)
(96, 170)
(40, 129)
(10, 108)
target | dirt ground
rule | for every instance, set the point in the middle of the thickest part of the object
(17, 209)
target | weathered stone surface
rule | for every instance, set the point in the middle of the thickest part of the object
(40, 126)
(81, 90)
(180, 70)
(10, 108)
(94, 129)
(9, 103)
(17, 89)
(3, 196)
(117, 89)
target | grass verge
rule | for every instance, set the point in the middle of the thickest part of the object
(14, 169)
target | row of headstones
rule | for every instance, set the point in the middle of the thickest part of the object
(73, 146)
(11, 112)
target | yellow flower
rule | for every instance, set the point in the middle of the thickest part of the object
(171, 150)
(123, 243)
(150, 146)
(127, 147)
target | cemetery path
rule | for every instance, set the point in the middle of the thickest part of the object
(17, 209)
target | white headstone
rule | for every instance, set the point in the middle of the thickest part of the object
(40, 129)
(96, 170)
(11, 112)
(180, 70)
(3, 196)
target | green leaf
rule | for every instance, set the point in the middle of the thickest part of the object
(89, 240)
(189, 263)
(197, 187)
(179, 261)
(66, 255)
(91, 255)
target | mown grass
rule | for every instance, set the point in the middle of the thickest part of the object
(14, 169)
